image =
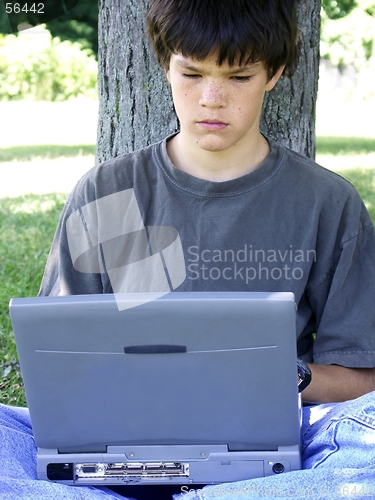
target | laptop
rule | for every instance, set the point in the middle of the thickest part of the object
(187, 388)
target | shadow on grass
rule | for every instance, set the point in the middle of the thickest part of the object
(330, 145)
(48, 151)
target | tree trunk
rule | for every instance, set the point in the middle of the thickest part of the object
(135, 105)
(289, 110)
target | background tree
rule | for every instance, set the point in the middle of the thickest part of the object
(289, 110)
(135, 105)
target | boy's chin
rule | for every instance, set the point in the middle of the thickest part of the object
(214, 144)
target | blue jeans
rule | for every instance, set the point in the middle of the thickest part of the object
(338, 461)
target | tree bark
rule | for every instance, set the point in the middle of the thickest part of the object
(289, 110)
(135, 104)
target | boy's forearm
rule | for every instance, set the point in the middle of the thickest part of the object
(332, 383)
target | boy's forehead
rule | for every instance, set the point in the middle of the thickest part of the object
(209, 62)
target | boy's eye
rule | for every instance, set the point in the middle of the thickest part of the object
(186, 75)
(241, 78)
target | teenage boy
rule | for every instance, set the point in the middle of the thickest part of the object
(246, 214)
(250, 214)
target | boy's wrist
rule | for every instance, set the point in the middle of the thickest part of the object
(304, 374)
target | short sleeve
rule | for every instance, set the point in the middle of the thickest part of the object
(345, 304)
(60, 276)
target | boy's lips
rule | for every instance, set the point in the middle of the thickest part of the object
(212, 124)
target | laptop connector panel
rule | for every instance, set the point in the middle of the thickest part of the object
(123, 470)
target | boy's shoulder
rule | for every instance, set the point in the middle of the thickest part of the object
(286, 169)
(128, 160)
(119, 173)
(307, 173)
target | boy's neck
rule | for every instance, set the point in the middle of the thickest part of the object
(218, 166)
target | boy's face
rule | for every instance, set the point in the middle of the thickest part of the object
(218, 107)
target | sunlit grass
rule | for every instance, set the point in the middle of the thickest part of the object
(364, 180)
(339, 146)
(354, 159)
(27, 227)
(44, 151)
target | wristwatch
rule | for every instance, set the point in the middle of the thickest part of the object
(304, 375)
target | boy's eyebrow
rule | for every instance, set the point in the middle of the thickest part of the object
(244, 69)
(240, 69)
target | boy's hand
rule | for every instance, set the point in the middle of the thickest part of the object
(333, 383)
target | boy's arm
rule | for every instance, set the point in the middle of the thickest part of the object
(333, 383)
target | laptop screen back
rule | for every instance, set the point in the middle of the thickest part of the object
(187, 368)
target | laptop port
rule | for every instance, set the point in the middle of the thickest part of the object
(88, 469)
(153, 467)
(135, 469)
(140, 470)
(115, 470)
(176, 468)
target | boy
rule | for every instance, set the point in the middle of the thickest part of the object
(239, 212)
(250, 215)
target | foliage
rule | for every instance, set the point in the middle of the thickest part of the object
(349, 41)
(36, 66)
(80, 24)
(336, 9)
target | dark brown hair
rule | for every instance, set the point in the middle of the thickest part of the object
(239, 31)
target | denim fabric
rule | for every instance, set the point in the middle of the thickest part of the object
(338, 457)
(341, 435)
(317, 484)
(18, 465)
(338, 460)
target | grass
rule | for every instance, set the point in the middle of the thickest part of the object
(46, 151)
(354, 159)
(339, 146)
(364, 180)
(27, 227)
(29, 222)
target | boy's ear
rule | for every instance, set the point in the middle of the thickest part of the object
(167, 74)
(272, 82)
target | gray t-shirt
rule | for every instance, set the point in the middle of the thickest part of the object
(290, 225)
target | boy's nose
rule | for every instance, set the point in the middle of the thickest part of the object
(213, 95)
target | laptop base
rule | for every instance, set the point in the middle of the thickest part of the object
(183, 465)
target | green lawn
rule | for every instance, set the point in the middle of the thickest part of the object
(27, 227)
(28, 224)
(45, 151)
(345, 146)
(354, 159)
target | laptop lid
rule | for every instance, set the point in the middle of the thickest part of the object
(185, 369)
